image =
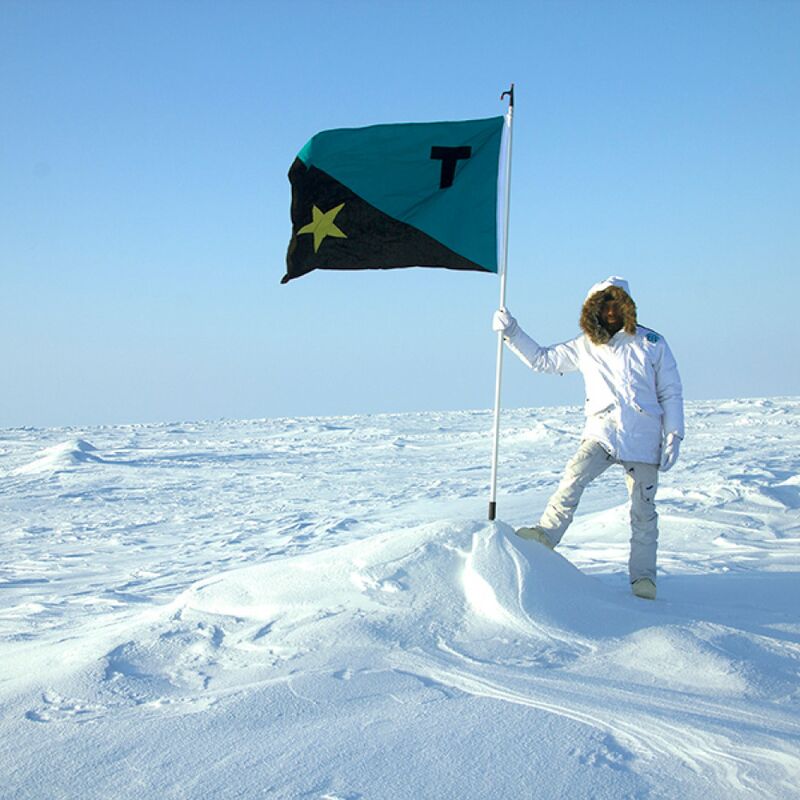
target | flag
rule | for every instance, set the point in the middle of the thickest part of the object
(404, 195)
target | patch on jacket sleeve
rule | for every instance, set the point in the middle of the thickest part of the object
(652, 337)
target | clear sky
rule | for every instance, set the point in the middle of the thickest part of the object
(144, 204)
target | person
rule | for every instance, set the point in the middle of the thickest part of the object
(634, 415)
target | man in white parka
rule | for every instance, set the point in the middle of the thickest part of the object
(634, 415)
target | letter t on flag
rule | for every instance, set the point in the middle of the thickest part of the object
(388, 196)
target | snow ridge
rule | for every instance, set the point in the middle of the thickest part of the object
(73, 452)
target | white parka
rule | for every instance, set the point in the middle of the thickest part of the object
(633, 390)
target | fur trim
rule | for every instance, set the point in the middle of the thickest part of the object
(590, 314)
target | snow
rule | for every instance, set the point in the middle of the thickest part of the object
(59, 456)
(317, 608)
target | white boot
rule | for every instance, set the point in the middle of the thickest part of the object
(645, 588)
(536, 534)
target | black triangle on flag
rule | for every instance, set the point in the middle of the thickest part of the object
(334, 228)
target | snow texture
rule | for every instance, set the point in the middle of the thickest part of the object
(316, 608)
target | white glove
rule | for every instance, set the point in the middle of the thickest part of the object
(503, 322)
(670, 450)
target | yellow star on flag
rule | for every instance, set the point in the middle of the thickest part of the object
(322, 225)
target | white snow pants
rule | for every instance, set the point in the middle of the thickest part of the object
(590, 461)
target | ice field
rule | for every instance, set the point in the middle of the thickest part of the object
(318, 608)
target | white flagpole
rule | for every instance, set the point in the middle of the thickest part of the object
(503, 267)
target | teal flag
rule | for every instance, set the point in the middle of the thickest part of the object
(388, 196)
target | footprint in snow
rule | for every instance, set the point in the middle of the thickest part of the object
(609, 753)
(56, 708)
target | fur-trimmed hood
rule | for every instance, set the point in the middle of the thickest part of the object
(613, 288)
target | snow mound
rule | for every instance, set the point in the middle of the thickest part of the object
(464, 592)
(453, 575)
(437, 601)
(65, 455)
(373, 630)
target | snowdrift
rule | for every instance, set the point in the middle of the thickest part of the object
(462, 578)
(62, 456)
(446, 612)
(463, 592)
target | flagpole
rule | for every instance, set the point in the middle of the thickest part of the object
(503, 267)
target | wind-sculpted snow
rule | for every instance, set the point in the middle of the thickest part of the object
(60, 456)
(315, 608)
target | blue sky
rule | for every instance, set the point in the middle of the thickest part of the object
(144, 202)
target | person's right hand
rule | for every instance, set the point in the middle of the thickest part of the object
(503, 322)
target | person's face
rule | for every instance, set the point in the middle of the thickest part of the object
(610, 315)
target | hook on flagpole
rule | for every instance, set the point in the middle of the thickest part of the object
(510, 94)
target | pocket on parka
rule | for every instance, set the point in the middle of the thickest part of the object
(654, 414)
